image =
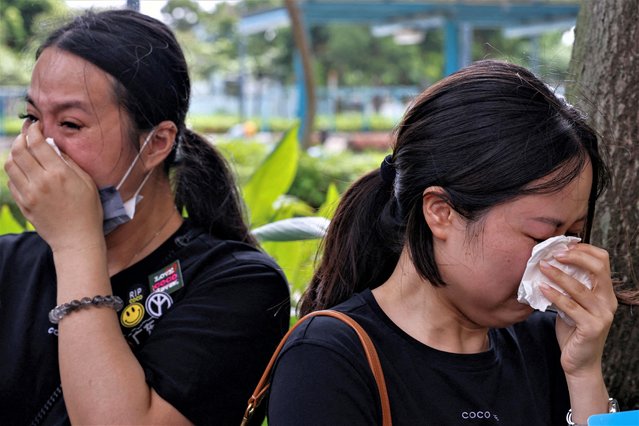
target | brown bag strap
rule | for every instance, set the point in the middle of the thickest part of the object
(369, 350)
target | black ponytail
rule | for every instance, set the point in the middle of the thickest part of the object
(205, 187)
(362, 245)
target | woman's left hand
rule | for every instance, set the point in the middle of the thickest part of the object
(592, 310)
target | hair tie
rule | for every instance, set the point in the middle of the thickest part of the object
(387, 170)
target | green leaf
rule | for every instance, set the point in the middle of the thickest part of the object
(8, 224)
(272, 178)
(297, 259)
(328, 207)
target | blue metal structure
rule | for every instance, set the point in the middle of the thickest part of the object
(457, 18)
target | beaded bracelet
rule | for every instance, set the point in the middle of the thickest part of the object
(60, 311)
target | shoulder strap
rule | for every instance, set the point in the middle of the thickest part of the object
(369, 350)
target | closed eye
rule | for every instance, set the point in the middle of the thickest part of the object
(70, 125)
(29, 117)
(568, 234)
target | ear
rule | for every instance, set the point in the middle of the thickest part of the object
(160, 145)
(438, 213)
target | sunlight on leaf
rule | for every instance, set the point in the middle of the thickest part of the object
(8, 224)
(327, 209)
(297, 259)
(272, 178)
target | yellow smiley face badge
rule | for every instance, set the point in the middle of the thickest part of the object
(132, 315)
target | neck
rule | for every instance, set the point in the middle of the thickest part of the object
(155, 220)
(424, 312)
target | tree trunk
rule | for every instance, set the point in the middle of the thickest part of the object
(302, 45)
(605, 71)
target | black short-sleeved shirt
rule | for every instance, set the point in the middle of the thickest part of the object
(322, 377)
(201, 315)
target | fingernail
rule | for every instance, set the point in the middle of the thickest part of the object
(544, 287)
(560, 254)
(544, 264)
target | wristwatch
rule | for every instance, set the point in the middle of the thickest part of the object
(613, 407)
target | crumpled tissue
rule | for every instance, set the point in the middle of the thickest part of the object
(529, 292)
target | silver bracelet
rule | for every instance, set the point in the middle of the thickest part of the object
(60, 311)
(613, 407)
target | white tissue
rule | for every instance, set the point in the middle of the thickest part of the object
(52, 144)
(529, 292)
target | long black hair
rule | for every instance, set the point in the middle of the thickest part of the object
(153, 85)
(484, 134)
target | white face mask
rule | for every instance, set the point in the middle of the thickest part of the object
(115, 211)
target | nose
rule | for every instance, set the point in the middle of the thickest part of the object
(48, 129)
(45, 127)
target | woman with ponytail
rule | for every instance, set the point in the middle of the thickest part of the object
(427, 254)
(118, 310)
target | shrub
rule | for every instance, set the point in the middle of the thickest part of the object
(316, 173)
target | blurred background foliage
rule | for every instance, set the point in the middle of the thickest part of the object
(347, 52)
(211, 41)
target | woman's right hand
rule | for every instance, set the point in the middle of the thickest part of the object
(53, 193)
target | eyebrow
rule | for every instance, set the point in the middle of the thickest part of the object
(60, 106)
(555, 222)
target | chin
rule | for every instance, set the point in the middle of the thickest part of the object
(519, 313)
(524, 311)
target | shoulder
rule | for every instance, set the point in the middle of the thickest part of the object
(231, 276)
(223, 256)
(325, 352)
(327, 340)
(332, 333)
(206, 259)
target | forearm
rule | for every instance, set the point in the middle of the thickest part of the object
(588, 396)
(102, 380)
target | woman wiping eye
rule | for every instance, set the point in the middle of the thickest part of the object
(427, 254)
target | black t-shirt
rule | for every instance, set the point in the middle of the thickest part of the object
(201, 315)
(323, 378)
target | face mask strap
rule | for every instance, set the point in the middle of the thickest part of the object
(135, 160)
(148, 175)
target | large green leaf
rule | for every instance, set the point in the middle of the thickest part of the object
(328, 207)
(8, 224)
(297, 259)
(272, 178)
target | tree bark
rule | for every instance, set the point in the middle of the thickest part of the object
(302, 45)
(605, 71)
